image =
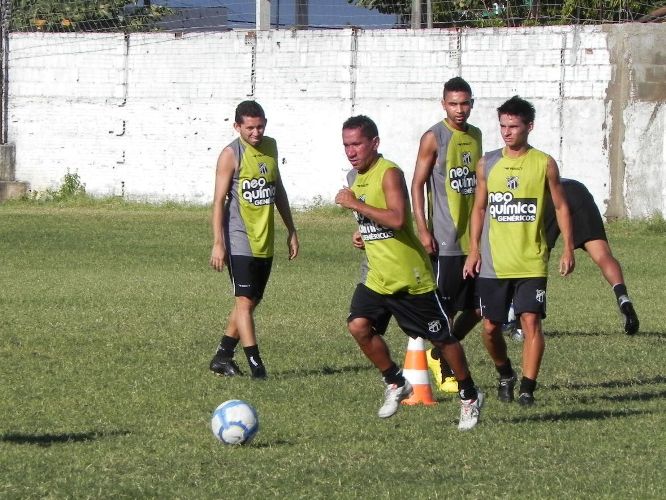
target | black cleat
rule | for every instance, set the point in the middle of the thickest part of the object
(631, 322)
(505, 388)
(224, 366)
(259, 373)
(526, 399)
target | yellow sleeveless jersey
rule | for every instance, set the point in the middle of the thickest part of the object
(249, 219)
(397, 261)
(513, 241)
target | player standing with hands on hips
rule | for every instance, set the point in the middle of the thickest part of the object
(508, 248)
(399, 280)
(247, 188)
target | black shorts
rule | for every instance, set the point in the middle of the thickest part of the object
(249, 275)
(585, 217)
(458, 293)
(417, 315)
(496, 295)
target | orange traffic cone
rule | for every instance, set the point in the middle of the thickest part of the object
(416, 372)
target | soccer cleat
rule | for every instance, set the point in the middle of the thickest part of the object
(450, 384)
(470, 412)
(224, 366)
(509, 327)
(392, 397)
(511, 330)
(435, 368)
(526, 399)
(631, 322)
(517, 335)
(259, 373)
(505, 388)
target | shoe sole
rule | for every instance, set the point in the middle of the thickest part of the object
(225, 374)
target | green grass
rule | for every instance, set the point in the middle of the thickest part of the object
(109, 315)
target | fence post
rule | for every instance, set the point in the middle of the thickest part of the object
(5, 12)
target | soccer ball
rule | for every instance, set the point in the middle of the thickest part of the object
(235, 422)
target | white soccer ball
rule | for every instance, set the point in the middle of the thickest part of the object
(235, 422)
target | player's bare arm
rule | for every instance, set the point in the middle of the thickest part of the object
(283, 208)
(473, 261)
(393, 216)
(357, 240)
(563, 216)
(224, 172)
(425, 161)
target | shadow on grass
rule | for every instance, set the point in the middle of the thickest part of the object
(659, 379)
(324, 370)
(66, 437)
(270, 444)
(640, 396)
(574, 415)
(560, 333)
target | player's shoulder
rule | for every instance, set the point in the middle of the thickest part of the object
(473, 130)
(493, 155)
(387, 164)
(429, 137)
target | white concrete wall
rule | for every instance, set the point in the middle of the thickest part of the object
(146, 117)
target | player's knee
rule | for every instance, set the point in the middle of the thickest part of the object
(491, 329)
(245, 303)
(360, 329)
(531, 324)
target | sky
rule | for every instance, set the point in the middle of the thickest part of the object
(322, 13)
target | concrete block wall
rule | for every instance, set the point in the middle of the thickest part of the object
(145, 116)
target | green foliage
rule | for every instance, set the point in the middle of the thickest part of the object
(83, 15)
(70, 190)
(71, 187)
(110, 317)
(480, 13)
(656, 223)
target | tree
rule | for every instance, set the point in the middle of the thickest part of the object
(480, 13)
(84, 15)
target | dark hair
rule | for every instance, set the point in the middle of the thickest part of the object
(517, 106)
(249, 108)
(367, 126)
(457, 84)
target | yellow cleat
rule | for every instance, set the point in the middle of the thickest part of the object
(435, 368)
(450, 384)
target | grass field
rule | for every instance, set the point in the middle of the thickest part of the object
(109, 317)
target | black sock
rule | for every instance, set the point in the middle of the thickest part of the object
(253, 358)
(227, 346)
(467, 389)
(446, 369)
(393, 375)
(620, 289)
(527, 385)
(505, 370)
